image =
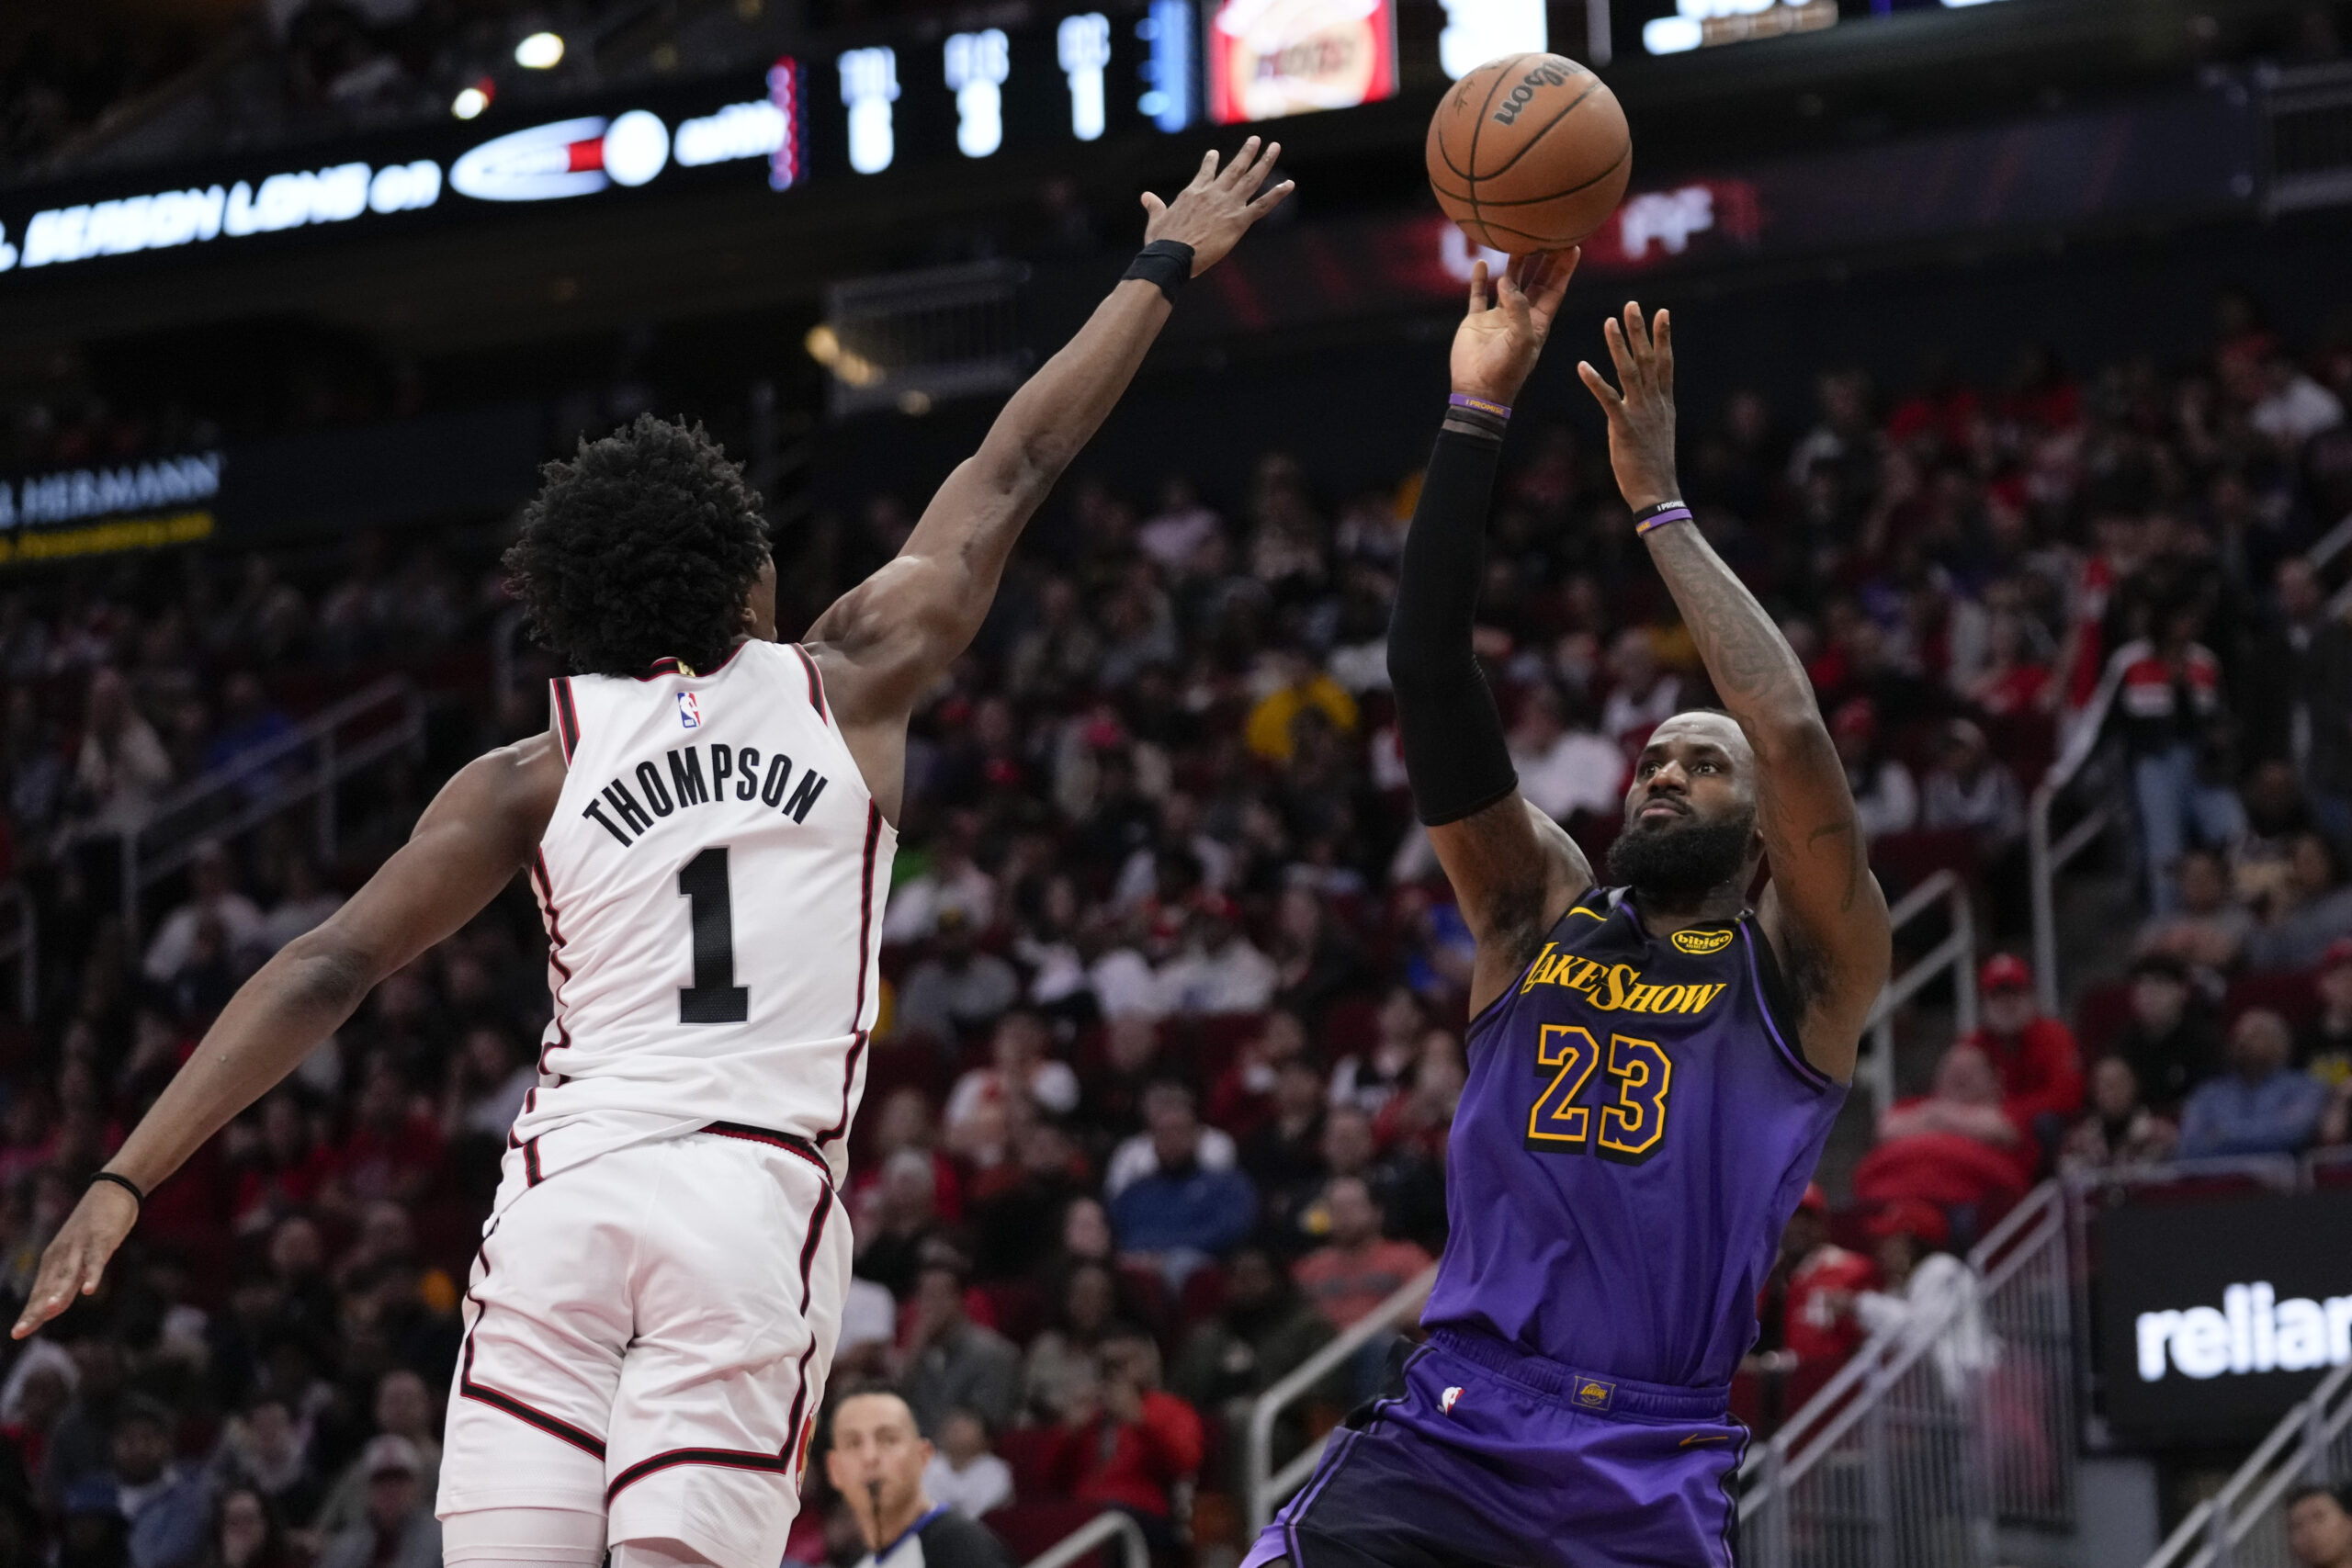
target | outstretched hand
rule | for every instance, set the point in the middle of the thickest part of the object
(1496, 347)
(1641, 418)
(1213, 212)
(76, 1257)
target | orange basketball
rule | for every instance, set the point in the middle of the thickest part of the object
(1530, 152)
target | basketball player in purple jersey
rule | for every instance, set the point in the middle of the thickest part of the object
(1654, 1065)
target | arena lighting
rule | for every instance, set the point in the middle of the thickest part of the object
(1479, 30)
(470, 101)
(540, 52)
(637, 147)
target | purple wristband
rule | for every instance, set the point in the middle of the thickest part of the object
(1659, 515)
(1464, 401)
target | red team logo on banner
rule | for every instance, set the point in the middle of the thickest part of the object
(1272, 58)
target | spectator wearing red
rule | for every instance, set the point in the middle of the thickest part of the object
(1358, 1268)
(1819, 1327)
(1126, 1444)
(2039, 1063)
(393, 1149)
(1243, 1098)
(1952, 1147)
(283, 1176)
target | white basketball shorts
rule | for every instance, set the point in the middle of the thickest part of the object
(647, 1335)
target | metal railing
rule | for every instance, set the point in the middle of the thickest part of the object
(2046, 859)
(1939, 1429)
(2245, 1524)
(308, 762)
(1134, 1552)
(1956, 953)
(1268, 1488)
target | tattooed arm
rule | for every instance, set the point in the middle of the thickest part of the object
(1823, 912)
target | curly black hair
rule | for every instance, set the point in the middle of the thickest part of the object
(640, 548)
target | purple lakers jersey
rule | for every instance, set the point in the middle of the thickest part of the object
(1638, 1125)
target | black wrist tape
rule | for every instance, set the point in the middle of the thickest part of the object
(1166, 264)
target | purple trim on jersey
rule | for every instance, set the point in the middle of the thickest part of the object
(816, 684)
(1795, 1059)
(566, 718)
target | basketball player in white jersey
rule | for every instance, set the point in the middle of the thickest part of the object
(708, 824)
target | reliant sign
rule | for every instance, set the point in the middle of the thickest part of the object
(2216, 1317)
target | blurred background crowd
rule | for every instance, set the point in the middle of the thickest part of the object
(1174, 1031)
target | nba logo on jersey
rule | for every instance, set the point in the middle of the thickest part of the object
(689, 711)
(1445, 1401)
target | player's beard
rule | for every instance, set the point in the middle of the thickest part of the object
(1682, 858)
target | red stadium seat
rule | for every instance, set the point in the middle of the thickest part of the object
(2293, 996)
(1029, 1453)
(2103, 1012)
(1028, 1528)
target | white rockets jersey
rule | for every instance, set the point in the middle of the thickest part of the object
(712, 882)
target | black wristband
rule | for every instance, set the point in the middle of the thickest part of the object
(125, 1183)
(1164, 264)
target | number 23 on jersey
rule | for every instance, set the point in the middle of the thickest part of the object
(1629, 1127)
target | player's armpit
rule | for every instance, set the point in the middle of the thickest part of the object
(1823, 911)
(1514, 872)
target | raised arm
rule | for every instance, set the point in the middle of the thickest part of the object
(884, 642)
(477, 832)
(1823, 912)
(1514, 870)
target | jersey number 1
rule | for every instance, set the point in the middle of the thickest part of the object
(714, 997)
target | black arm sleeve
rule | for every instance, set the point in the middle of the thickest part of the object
(1453, 737)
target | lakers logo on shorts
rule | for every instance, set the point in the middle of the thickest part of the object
(1701, 943)
(1594, 1395)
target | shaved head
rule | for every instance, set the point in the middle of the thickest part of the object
(1689, 824)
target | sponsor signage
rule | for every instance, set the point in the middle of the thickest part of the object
(832, 113)
(328, 481)
(1678, 27)
(2215, 1318)
(554, 161)
(1268, 59)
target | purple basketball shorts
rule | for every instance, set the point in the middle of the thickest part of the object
(1482, 1454)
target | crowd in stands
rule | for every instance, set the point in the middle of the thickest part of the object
(1175, 1026)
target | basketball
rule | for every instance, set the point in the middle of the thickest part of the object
(1528, 152)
